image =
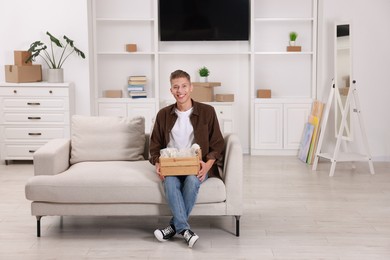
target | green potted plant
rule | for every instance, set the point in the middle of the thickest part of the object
(293, 38)
(53, 60)
(204, 72)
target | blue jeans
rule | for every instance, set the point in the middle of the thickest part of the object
(181, 193)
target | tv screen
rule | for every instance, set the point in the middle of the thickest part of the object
(204, 20)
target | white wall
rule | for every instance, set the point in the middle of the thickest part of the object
(370, 23)
(23, 22)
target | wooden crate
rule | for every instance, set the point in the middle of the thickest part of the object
(176, 166)
(179, 166)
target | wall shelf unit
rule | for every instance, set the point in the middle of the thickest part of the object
(242, 67)
(277, 123)
(114, 24)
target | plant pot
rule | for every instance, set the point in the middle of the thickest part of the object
(292, 43)
(204, 79)
(55, 75)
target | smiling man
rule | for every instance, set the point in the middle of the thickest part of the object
(179, 126)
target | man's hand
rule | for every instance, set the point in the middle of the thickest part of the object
(158, 172)
(204, 169)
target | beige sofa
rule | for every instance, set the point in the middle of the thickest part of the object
(91, 174)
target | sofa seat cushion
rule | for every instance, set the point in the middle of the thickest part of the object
(111, 182)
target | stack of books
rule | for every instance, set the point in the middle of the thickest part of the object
(136, 87)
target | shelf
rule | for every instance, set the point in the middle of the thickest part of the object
(283, 53)
(309, 19)
(35, 84)
(124, 20)
(125, 53)
(126, 100)
(206, 84)
(204, 53)
(218, 103)
(284, 100)
(345, 157)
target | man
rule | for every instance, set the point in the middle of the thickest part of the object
(179, 126)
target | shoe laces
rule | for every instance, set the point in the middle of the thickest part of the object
(168, 230)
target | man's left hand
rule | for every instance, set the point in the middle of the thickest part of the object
(204, 169)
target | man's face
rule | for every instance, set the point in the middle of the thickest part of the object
(181, 90)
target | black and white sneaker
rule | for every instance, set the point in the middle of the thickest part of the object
(165, 234)
(190, 237)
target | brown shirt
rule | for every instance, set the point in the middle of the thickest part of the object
(206, 133)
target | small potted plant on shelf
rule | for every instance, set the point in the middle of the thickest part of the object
(55, 71)
(204, 73)
(293, 38)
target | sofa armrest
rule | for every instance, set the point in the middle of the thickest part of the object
(233, 174)
(52, 158)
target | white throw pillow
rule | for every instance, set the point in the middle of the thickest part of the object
(107, 139)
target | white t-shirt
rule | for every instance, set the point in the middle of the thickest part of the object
(182, 134)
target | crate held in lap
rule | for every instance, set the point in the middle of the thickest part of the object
(176, 166)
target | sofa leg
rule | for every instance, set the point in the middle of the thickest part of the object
(38, 226)
(237, 225)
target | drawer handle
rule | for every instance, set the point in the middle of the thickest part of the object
(33, 103)
(31, 151)
(15, 91)
(34, 117)
(35, 134)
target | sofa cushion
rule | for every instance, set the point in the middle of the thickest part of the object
(112, 182)
(107, 138)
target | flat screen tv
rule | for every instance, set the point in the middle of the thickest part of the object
(204, 20)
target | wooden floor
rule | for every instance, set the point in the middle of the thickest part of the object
(290, 212)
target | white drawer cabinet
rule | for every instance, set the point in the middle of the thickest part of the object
(31, 114)
(279, 125)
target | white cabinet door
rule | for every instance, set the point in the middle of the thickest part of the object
(295, 117)
(225, 117)
(146, 110)
(268, 126)
(112, 109)
(129, 109)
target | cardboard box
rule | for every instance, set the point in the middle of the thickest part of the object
(131, 47)
(263, 93)
(203, 94)
(294, 48)
(224, 97)
(204, 91)
(20, 74)
(20, 58)
(113, 93)
(179, 166)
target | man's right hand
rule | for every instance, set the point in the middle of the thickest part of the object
(158, 172)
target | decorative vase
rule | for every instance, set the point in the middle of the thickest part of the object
(203, 79)
(55, 75)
